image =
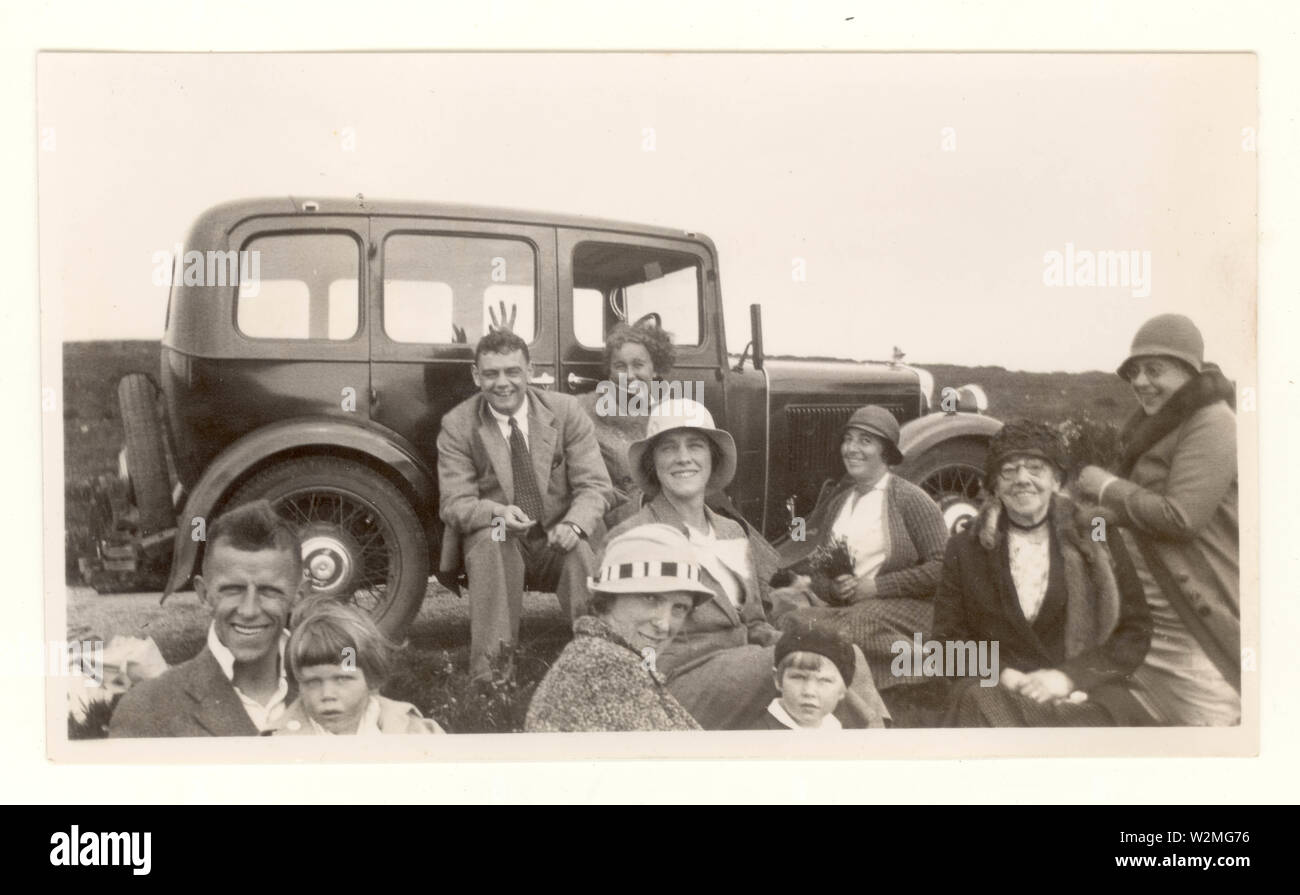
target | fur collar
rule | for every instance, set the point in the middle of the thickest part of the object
(1069, 520)
(1092, 591)
(1141, 431)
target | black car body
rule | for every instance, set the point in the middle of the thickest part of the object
(320, 384)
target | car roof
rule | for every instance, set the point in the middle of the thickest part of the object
(229, 215)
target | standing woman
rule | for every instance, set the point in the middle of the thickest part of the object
(719, 666)
(895, 535)
(636, 355)
(1175, 497)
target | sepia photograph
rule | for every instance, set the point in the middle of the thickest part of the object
(649, 404)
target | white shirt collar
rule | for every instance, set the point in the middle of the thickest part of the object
(263, 716)
(520, 417)
(777, 711)
(880, 484)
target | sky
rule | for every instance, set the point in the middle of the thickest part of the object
(919, 194)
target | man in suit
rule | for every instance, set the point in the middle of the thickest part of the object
(522, 490)
(237, 685)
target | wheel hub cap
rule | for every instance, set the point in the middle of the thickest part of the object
(957, 515)
(328, 561)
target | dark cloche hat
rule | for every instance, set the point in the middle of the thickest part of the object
(805, 638)
(1025, 438)
(877, 421)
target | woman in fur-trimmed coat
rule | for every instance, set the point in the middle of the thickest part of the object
(1065, 608)
(1174, 502)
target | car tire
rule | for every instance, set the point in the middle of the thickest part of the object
(953, 474)
(362, 541)
(146, 457)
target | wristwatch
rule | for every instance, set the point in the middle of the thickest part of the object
(577, 529)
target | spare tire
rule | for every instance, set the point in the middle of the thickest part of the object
(146, 460)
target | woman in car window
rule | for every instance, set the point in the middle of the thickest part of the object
(636, 355)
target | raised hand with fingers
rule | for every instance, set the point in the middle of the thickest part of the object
(502, 323)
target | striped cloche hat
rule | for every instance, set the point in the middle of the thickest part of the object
(650, 559)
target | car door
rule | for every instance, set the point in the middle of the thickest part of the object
(435, 285)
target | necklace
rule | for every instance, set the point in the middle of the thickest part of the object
(1039, 524)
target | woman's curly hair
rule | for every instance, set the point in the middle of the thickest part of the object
(657, 343)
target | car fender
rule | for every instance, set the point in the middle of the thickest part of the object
(926, 432)
(235, 462)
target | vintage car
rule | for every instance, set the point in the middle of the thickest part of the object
(319, 379)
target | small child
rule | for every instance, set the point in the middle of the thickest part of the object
(813, 671)
(340, 660)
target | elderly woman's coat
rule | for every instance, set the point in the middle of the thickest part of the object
(1093, 624)
(600, 683)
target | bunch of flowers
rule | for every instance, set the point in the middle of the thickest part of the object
(828, 562)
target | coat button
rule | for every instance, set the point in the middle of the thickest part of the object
(294, 725)
(1203, 610)
(1183, 577)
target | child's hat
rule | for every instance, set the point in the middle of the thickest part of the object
(804, 638)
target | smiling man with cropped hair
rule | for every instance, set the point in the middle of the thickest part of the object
(237, 685)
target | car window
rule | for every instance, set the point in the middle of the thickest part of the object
(588, 316)
(307, 287)
(445, 289)
(614, 282)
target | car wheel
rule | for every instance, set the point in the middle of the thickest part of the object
(146, 460)
(952, 474)
(362, 543)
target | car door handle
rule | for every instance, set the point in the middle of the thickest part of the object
(576, 382)
(545, 380)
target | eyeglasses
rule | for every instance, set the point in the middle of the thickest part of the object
(1152, 369)
(1033, 467)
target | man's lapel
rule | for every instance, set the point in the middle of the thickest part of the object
(498, 449)
(541, 441)
(216, 707)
